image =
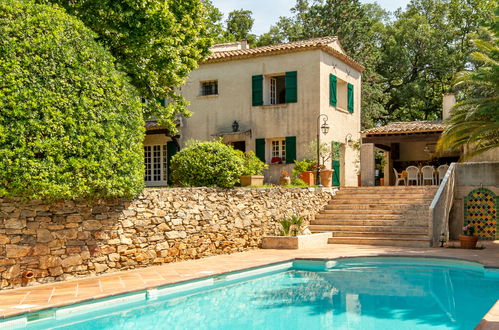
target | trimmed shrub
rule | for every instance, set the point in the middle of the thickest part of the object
(70, 124)
(207, 164)
(252, 164)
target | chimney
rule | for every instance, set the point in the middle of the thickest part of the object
(449, 100)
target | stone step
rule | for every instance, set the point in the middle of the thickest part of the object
(405, 241)
(376, 201)
(398, 196)
(347, 211)
(386, 235)
(390, 188)
(374, 216)
(370, 229)
(370, 222)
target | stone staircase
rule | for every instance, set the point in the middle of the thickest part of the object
(395, 215)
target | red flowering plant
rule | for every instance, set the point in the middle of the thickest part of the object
(284, 173)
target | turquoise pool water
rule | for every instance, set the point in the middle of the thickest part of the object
(356, 293)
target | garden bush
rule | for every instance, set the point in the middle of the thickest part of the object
(252, 164)
(70, 124)
(207, 164)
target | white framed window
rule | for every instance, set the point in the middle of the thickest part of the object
(342, 94)
(155, 165)
(277, 89)
(209, 88)
(277, 151)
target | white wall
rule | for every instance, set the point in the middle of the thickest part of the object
(212, 115)
(341, 122)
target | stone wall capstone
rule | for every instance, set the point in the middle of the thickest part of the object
(61, 240)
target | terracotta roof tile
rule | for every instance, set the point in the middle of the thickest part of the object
(317, 43)
(407, 127)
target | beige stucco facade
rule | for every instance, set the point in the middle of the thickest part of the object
(213, 115)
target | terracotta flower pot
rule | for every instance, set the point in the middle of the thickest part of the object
(308, 177)
(285, 180)
(468, 242)
(327, 178)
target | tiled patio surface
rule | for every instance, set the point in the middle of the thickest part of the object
(21, 300)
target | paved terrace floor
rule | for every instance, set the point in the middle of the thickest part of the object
(27, 299)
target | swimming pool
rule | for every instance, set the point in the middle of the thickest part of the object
(350, 293)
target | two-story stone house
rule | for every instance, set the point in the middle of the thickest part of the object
(268, 100)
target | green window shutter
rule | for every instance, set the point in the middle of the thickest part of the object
(333, 99)
(336, 147)
(257, 90)
(260, 149)
(290, 149)
(171, 150)
(291, 87)
(350, 98)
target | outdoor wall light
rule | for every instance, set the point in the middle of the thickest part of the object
(348, 139)
(325, 129)
(235, 126)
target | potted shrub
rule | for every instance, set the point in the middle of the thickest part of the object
(326, 177)
(253, 170)
(468, 240)
(303, 171)
(293, 236)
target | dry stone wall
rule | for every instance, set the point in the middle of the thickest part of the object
(41, 242)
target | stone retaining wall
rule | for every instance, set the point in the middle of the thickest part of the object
(64, 239)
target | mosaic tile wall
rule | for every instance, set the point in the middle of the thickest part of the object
(480, 209)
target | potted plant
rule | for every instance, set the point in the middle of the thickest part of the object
(303, 171)
(285, 179)
(294, 236)
(253, 170)
(468, 240)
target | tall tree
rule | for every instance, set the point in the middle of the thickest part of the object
(422, 49)
(359, 28)
(71, 125)
(239, 25)
(410, 59)
(474, 121)
(213, 21)
(155, 42)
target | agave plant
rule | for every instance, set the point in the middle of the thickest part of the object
(286, 227)
(291, 226)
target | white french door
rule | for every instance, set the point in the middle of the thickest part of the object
(155, 165)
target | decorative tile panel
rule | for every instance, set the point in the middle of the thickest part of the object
(480, 209)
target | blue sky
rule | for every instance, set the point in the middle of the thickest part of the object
(267, 12)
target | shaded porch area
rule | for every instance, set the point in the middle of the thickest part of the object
(403, 145)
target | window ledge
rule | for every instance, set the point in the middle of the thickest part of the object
(207, 96)
(273, 106)
(341, 110)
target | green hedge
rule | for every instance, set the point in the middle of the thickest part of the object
(207, 164)
(70, 123)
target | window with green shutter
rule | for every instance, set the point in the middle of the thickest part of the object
(291, 87)
(333, 98)
(290, 149)
(257, 90)
(260, 149)
(350, 98)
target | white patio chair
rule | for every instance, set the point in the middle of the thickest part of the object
(442, 170)
(412, 174)
(399, 177)
(428, 174)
